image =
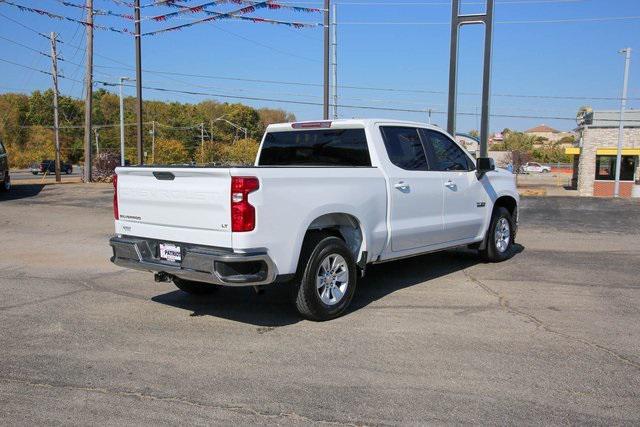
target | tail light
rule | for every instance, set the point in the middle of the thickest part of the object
(243, 214)
(116, 213)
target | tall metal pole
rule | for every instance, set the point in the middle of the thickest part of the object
(138, 37)
(327, 23)
(56, 126)
(88, 93)
(122, 79)
(486, 81)
(623, 104)
(458, 20)
(334, 44)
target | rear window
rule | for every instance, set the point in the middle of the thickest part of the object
(327, 147)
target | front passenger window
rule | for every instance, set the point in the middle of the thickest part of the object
(446, 154)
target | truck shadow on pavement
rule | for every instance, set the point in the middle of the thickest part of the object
(273, 307)
(21, 191)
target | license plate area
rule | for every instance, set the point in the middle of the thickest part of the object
(170, 252)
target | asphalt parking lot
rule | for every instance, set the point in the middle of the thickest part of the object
(550, 336)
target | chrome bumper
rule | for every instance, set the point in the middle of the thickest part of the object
(199, 263)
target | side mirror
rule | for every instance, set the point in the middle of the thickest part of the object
(484, 165)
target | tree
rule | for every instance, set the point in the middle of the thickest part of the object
(170, 151)
(518, 158)
(241, 152)
(474, 133)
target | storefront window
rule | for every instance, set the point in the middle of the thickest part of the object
(606, 168)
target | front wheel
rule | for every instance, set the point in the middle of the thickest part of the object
(327, 276)
(500, 237)
(194, 288)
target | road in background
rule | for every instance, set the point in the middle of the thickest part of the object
(24, 174)
(551, 336)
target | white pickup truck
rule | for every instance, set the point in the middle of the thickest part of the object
(323, 200)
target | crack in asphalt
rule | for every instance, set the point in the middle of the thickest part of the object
(85, 285)
(504, 303)
(243, 410)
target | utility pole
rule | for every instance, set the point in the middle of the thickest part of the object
(88, 79)
(335, 60)
(138, 37)
(327, 23)
(153, 141)
(202, 140)
(122, 152)
(56, 123)
(623, 104)
(429, 112)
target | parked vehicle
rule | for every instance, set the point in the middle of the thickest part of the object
(5, 178)
(324, 200)
(533, 167)
(49, 166)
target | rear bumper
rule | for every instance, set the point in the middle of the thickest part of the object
(199, 263)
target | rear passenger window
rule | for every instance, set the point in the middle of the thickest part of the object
(327, 147)
(404, 148)
(444, 153)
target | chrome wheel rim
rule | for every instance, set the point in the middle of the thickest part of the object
(502, 235)
(332, 279)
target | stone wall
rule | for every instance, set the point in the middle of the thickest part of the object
(594, 138)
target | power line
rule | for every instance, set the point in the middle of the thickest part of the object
(510, 2)
(368, 88)
(523, 22)
(361, 107)
(24, 26)
(28, 47)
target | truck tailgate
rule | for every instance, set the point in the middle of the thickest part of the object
(189, 205)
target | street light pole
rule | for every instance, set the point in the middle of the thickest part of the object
(138, 41)
(327, 23)
(623, 104)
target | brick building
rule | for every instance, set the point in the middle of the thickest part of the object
(594, 154)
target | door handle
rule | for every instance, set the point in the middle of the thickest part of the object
(450, 184)
(402, 186)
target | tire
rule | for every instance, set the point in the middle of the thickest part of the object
(67, 171)
(499, 247)
(325, 260)
(194, 288)
(35, 173)
(6, 184)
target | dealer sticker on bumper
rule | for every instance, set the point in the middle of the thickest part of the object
(170, 252)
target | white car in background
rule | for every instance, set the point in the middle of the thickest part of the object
(533, 167)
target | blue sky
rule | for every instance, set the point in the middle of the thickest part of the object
(382, 44)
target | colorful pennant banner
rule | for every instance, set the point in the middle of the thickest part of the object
(252, 6)
(103, 12)
(62, 17)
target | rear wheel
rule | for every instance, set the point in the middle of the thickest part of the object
(6, 184)
(327, 277)
(194, 288)
(500, 237)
